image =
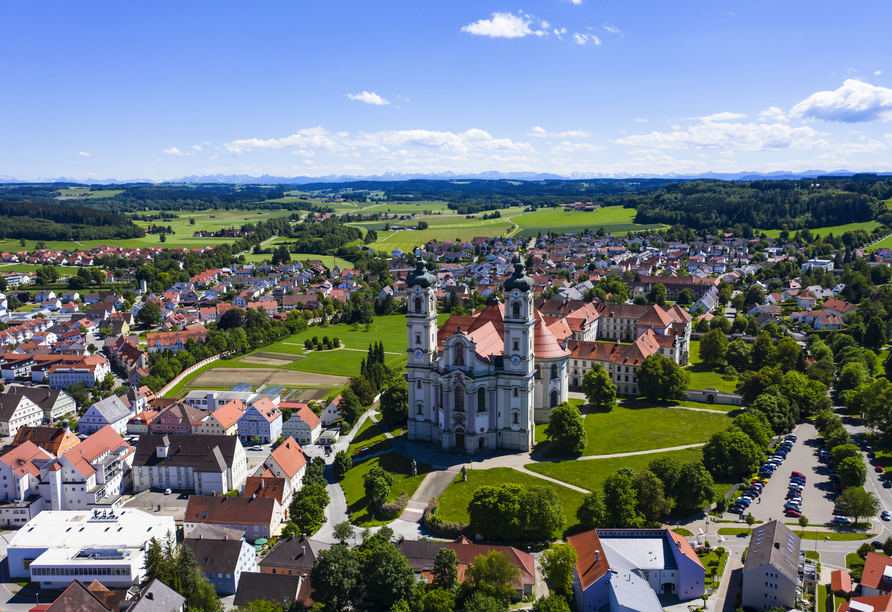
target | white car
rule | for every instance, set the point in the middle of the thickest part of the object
(167, 491)
(842, 520)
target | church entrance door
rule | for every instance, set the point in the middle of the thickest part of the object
(460, 438)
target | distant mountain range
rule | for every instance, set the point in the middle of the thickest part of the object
(244, 179)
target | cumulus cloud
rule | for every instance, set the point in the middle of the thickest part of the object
(368, 98)
(173, 151)
(856, 148)
(305, 153)
(506, 25)
(543, 133)
(773, 114)
(83, 153)
(581, 39)
(713, 134)
(854, 102)
(878, 73)
(723, 117)
(569, 147)
(315, 138)
(196, 147)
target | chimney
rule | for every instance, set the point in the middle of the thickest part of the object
(150, 595)
(214, 494)
(304, 548)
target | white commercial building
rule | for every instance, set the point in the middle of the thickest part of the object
(57, 547)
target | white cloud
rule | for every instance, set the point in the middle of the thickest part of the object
(612, 29)
(173, 151)
(305, 153)
(315, 138)
(878, 73)
(641, 120)
(854, 148)
(712, 134)
(308, 161)
(196, 147)
(722, 117)
(542, 133)
(581, 39)
(773, 114)
(368, 98)
(214, 156)
(854, 102)
(83, 153)
(577, 2)
(569, 147)
(505, 25)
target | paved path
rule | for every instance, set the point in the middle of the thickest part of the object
(433, 485)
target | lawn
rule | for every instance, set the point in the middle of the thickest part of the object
(885, 243)
(325, 259)
(370, 434)
(822, 598)
(631, 429)
(643, 402)
(614, 220)
(703, 377)
(694, 352)
(715, 566)
(836, 230)
(408, 240)
(84, 193)
(683, 532)
(590, 474)
(359, 506)
(454, 501)
(836, 537)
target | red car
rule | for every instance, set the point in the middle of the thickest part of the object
(792, 513)
(879, 468)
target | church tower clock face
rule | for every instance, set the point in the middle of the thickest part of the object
(417, 353)
(515, 360)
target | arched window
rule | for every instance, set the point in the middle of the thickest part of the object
(515, 310)
(554, 371)
(554, 398)
(420, 408)
(459, 354)
(538, 372)
(516, 392)
(516, 416)
(418, 384)
(481, 399)
(418, 305)
(459, 400)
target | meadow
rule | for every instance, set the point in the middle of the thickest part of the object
(614, 220)
(836, 230)
(84, 193)
(359, 506)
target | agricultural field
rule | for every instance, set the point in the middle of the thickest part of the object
(84, 193)
(614, 220)
(454, 501)
(408, 240)
(836, 230)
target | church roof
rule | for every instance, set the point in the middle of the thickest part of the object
(545, 345)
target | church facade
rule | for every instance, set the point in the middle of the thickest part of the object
(481, 382)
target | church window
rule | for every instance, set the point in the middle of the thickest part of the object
(459, 400)
(481, 399)
(515, 310)
(420, 409)
(554, 398)
(538, 373)
(516, 418)
(417, 338)
(516, 392)
(459, 354)
(418, 384)
(515, 345)
(418, 305)
(554, 371)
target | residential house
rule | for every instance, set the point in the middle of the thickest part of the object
(176, 419)
(876, 579)
(771, 571)
(173, 341)
(276, 589)
(331, 413)
(139, 424)
(108, 411)
(204, 464)
(304, 425)
(222, 560)
(288, 461)
(839, 307)
(54, 440)
(17, 411)
(54, 403)
(88, 370)
(257, 517)
(221, 422)
(262, 419)
(292, 556)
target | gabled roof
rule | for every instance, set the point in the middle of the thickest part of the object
(289, 456)
(112, 409)
(874, 572)
(296, 553)
(226, 510)
(216, 555)
(229, 413)
(103, 441)
(592, 563)
(20, 458)
(204, 453)
(776, 545)
(77, 598)
(276, 588)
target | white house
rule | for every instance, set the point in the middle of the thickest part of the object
(109, 411)
(17, 411)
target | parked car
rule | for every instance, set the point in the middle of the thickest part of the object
(792, 513)
(842, 520)
(256, 448)
(797, 474)
(736, 509)
(879, 468)
(886, 516)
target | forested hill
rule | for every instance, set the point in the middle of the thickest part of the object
(760, 204)
(39, 221)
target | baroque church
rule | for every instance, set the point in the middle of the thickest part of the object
(481, 382)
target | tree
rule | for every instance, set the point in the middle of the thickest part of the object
(307, 509)
(600, 392)
(445, 572)
(567, 428)
(541, 513)
(803, 523)
(479, 602)
(395, 402)
(853, 375)
(592, 513)
(836, 437)
(377, 484)
(756, 426)
(660, 377)
(810, 396)
(494, 575)
(776, 410)
(349, 406)
(738, 355)
(341, 464)
(657, 295)
(713, 347)
(857, 502)
(552, 603)
(621, 499)
(668, 470)
(343, 531)
(149, 315)
(763, 351)
(731, 454)
(336, 578)
(232, 319)
(852, 472)
(685, 297)
(557, 563)
(495, 511)
(844, 451)
(386, 574)
(652, 500)
(875, 334)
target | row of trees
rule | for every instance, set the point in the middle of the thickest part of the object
(307, 510)
(845, 454)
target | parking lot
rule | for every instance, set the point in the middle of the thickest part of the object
(817, 495)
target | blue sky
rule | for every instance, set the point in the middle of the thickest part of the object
(168, 89)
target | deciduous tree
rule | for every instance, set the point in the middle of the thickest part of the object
(600, 392)
(567, 428)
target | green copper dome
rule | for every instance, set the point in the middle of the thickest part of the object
(519, 280)
(420, 277)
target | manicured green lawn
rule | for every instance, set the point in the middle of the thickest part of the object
(822, 598)
(359, 506)
(643, 402)
(371, 433)
(683, 532)
(836, 537)
(694, 354)
(454, 501)
(706, 378)
(590, 474)
(836, 230)
(627, 429)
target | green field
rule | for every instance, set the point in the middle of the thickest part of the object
(704, 378)
(359, 507)
(590, 474)
(836, 230)
(614, 220)
(629, 429)
(454, 501)
(84, 193)
(885, 243)
(326, 260)
(408, 240)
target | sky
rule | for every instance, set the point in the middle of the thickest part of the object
(161, 90)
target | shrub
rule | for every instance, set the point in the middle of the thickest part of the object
(336, 342)
(438, 527)
(392, 511)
